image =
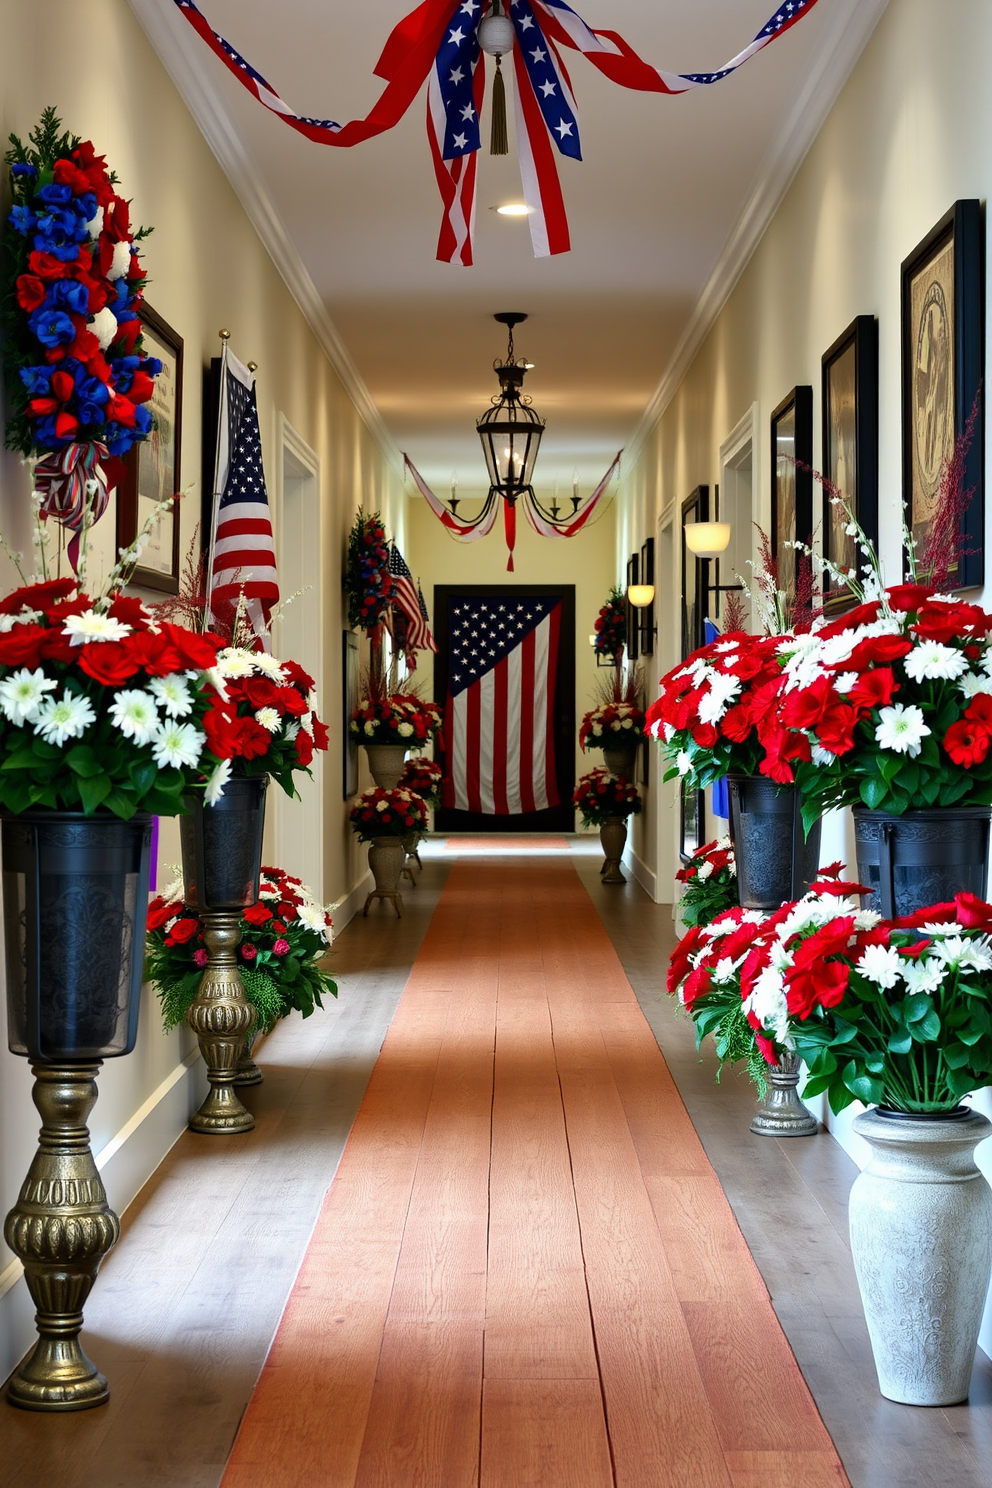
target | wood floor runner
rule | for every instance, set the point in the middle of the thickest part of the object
(525, 1274)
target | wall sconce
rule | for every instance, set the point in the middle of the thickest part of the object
(707, 539)
(640, 595)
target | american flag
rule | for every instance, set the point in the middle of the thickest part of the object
(499, 714)
(242, 555)
(408, 600)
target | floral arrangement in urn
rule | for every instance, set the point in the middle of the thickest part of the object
(368, 582)
(103, 706)
(266, 724)
(283, 938)
(75, 370)
(611, 627)
(423, 777)
(387, 813)
(601, 797)
(399, 719)
(710, 882)
(611, 724)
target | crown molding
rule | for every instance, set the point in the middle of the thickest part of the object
(184, 58)
(845, 35)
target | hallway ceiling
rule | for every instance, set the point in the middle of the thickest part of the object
(662, 185)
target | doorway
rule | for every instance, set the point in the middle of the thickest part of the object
(738, 481)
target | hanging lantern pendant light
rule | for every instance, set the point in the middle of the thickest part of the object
(496, 39)
(510, 430)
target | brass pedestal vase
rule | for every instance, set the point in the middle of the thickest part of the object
(60, 1229)
(781, 1113)
(222, 856)
(248, 1071)
(613, 837)
(75, 899)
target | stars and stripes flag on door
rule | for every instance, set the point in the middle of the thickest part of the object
(242, 555)
(499, 714)
(413, 633)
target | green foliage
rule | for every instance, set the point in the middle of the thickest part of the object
(720, 1015)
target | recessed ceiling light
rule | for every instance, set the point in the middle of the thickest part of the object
(513, 209)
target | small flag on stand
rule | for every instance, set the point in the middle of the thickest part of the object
(242, 554)
(413, 633)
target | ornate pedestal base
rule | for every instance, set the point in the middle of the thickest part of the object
(248, 1071)
(60, 1229)
(782, 1113)
(387, 856)
(613, 836)
(221, 1017)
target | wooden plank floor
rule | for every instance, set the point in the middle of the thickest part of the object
(525, 1272)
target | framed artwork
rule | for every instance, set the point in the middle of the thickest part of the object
(692, 821)
(792, 484)
(633, 616)
(153, 465)
(350, 675)
(695, 574)
(646, 615)
(850, 447)
(942, 362)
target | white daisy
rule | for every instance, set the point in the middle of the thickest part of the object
(311, 915)
(269, 666)
(65, 718)
(683, 762)
(844, 681)
(135, 714)
(723, 689)
(234, 662)
(217, 782)
(292, 729)
(901, 729)
(967, 955)
(173, 694)
(970, 684)
(882, 965)
(924, 975)
(935, 662)
(177, 744)
(92, 626)
(23, 692)
(269, 719)
(705, 870)
(25, 617)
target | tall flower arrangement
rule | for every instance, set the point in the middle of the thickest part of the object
(401, 718)
(368, 582)
(267, 722)
(423, 776)
(387, 813)
(709, 882)
(611, 724)
(602, 796)
(611, 627)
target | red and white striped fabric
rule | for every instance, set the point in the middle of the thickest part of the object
(583, 513)
(462, 530)
(242, 553)
(499, 714)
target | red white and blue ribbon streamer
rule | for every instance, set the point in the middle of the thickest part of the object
(438, 43)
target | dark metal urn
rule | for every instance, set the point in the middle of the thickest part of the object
(921, 857)
(222, 864)
(75, 901)
(775, 861)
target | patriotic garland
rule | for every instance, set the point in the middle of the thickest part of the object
(439, 43)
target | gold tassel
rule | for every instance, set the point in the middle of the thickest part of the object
(498, 144)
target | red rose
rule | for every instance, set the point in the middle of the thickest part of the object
(196, 652)
(22, 645)
(705, 735)
(141, 387)
(971, 912)
(261, 693)
(184, 930)
(258, 914)
(948, 622)
(907, 597)
(47, 266)
(874, 689)
(967, 743)
(882, 649)
(63, 386)
(835, 731)
(822, 987)
(297, 676)
(286, 911)
(107, 662)
(31, 292)
(248, 952)
(127, 610)
(304, 747)
(979, 710)
(288, 700)
(37, 596)
(154, 653)
(159, 912)
(251, 739)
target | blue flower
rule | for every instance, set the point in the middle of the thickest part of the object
(123, 364)
(52, 327)
(67, 252)
(85, 205)
(118, 439)
(92, 390)
(151, 365)
(56, 195)
(24, 168)
(89, 412)
(142, 418)
(22, 220)
(69, 294)
(45, 434)
(37, 380)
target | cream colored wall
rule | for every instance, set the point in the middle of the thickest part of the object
(585, 561)
(207, 270)
(909, 134)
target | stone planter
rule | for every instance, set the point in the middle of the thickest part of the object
(386, 761)
(621, 758)
(781, 1113)
(922, 857)
(775, 862)
(613, 836)
(386, 858)
(921, 1233)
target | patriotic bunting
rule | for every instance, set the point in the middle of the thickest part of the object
(438, 43)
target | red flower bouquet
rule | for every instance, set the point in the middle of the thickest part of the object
(267, 723)
(423, 777)
(610, 724)
(402, 718)
(601, 796)
(717, 712)
(368, 582)
(710, 880)
(387, 813)
(611, 627)
(283, 937)
(103, 706)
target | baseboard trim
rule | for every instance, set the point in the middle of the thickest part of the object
(646, 877)
(343, 911)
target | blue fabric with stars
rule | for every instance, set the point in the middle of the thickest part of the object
(483, 630)
(455, 63)
(245, 478)
(539, 60)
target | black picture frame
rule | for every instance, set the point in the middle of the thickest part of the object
(633, 616)
(153, 465)
(943, 328)
(350, 697)
(645, 616)
(792, 481)
(695, 575)
(849, 385)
